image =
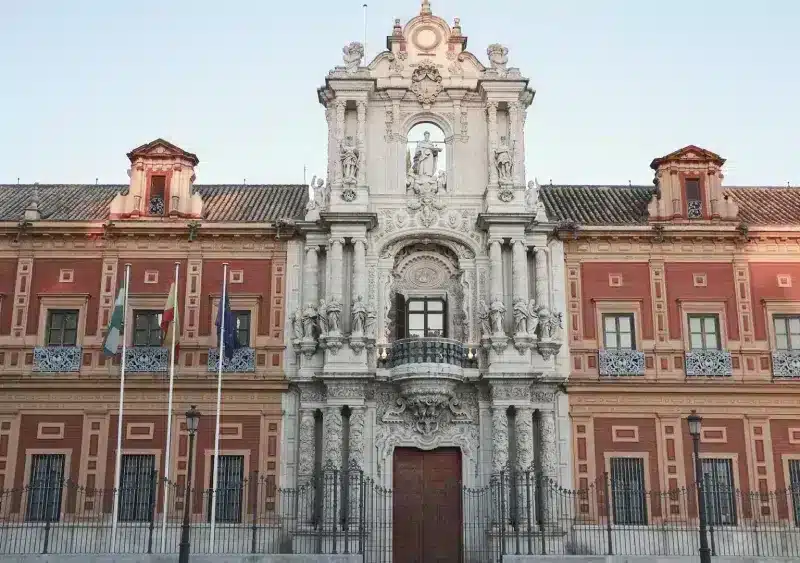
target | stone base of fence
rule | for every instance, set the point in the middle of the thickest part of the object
(637, 559)
(172, 558)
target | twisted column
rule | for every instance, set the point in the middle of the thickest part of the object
(549, 456)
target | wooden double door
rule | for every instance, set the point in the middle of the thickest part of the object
(427, 511)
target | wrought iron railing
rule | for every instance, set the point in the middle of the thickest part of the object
(617, 362)
(428, 350)
(57, 359)
(786, 364)
(709, 363)
(145, 359)
(243, 360)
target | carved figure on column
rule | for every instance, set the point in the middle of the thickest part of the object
(504, 162)
(297, 324)
(497, 312)
(370, 323)
(357, 437)
(306, 446)
(322, 317)
(352, 53)
(499, 439)
(359, 316)
(349, 155)
(533, 318)
(334, 310)
(520, 317)
(483, 319)
(309, 321)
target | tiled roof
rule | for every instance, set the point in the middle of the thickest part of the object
(627, 205)
(223, 202)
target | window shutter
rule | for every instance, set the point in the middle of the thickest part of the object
(400, 315)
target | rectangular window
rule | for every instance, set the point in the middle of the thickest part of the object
(720, 500)
(158, 188)
(242, 320)
(147, 328)
(62, 327)
(704, 332)
(628, 496)
(694, 202)
(794, 483)
(136, 491)
(230, 480)
(618, 332)
(787, 332)
(44, 488)
(426, 317)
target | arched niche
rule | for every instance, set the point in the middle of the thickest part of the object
(428, 153)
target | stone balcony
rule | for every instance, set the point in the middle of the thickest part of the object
(786, 364)
(57, 359)
(621, 363)
(147, 359)
(430, 356)
(243, 361)
(709, 363)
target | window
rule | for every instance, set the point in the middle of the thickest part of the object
(618, 332)
(44, 488)
(242, 321)
(230, 479)
(794, 483)
(147, 328)
(704, 332)
(627, 491)
(426, 317)
(136, 491)
(158, 187)
(62, 327)
(720, 502)
(694, 202)
(787, 332)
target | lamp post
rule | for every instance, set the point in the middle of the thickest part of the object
(192, 420)
(695, 424)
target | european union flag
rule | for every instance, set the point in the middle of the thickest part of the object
(229, 338)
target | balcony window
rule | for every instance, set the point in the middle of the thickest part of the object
(426, 317)
(694, 201)
(62, 327)
(618, 332)
(158, 187)
(147, 328)
(619, 355)
(786, 356)
(704, 332)
(706, 356)
(242, 323)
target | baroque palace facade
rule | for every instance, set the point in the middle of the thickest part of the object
(62, 258)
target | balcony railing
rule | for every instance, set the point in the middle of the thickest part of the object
(243, 360)
(709, 363)
(614, 362)
(143, 359)
(429, 350)
(57, 359)
(786, 364)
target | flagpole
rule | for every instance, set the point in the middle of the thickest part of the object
(118, 468)
(221, 338)
(168, 450)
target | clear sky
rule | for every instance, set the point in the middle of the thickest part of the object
(618, 83)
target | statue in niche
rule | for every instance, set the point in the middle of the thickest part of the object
(297, 323)
(424, 181)
(349, 157)
(322, 317)
(533, 317)
(359, 315)
(334, 310)
(426, 157)
(520, 317)
(504, 162)
(483, 319)
(309, 321)
(497, 312)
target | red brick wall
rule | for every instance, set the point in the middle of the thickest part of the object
(73, 435)
(720, 286)
(635, 285)
(8, 278)
(257, 280)
(764, 285)
(166, 275)
(158, 441)
(87, 274)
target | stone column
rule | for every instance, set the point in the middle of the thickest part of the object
(330, 487)
(500, 477)
(495, 270)
(340, 106)
(361, 142)
(525, 473)
(519, 269)
(491, 119)
(515, 140)
(356, 461)
(335, 280)
(542, 279)
(310, 276)
(305, 462)
(359, 287)
(549, 457)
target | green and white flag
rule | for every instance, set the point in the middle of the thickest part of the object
(114, 335)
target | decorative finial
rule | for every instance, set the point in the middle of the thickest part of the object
(425, 10)
(457, 26)
(397, 31)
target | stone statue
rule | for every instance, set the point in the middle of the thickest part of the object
(533, 317)
(352, 53)
(369, 325)
(309, 321)
(334, 311)
(349, 156)
(426, 157)
(533, 200)
(322, 317)
(359, 314)
(297, 323)
(320, 192)
(441, 180)
(520, 316)
(544, 323)
(483, 319)
(498, 58)
(497, 313)
(504, 162)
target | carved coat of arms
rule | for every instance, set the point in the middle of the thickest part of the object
(426, 82)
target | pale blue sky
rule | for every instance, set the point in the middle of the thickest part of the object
(618, 83)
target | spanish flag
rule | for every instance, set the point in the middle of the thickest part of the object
(169, 319)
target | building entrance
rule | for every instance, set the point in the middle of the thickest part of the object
(427, 511)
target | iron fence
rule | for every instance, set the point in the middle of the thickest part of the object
(344, 511)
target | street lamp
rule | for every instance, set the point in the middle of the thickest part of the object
(192, 420)
(695, 425)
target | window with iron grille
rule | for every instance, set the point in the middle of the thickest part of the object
(147, 328)
(618, 332)
(694, 201)
(794, 484)
(628, 496)
(787, 332)
(62, 327)
(45, 487)
(704, 332)
(230, 482)
(158, 188)
(136, 491)
(719, 492)
(241, 320)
